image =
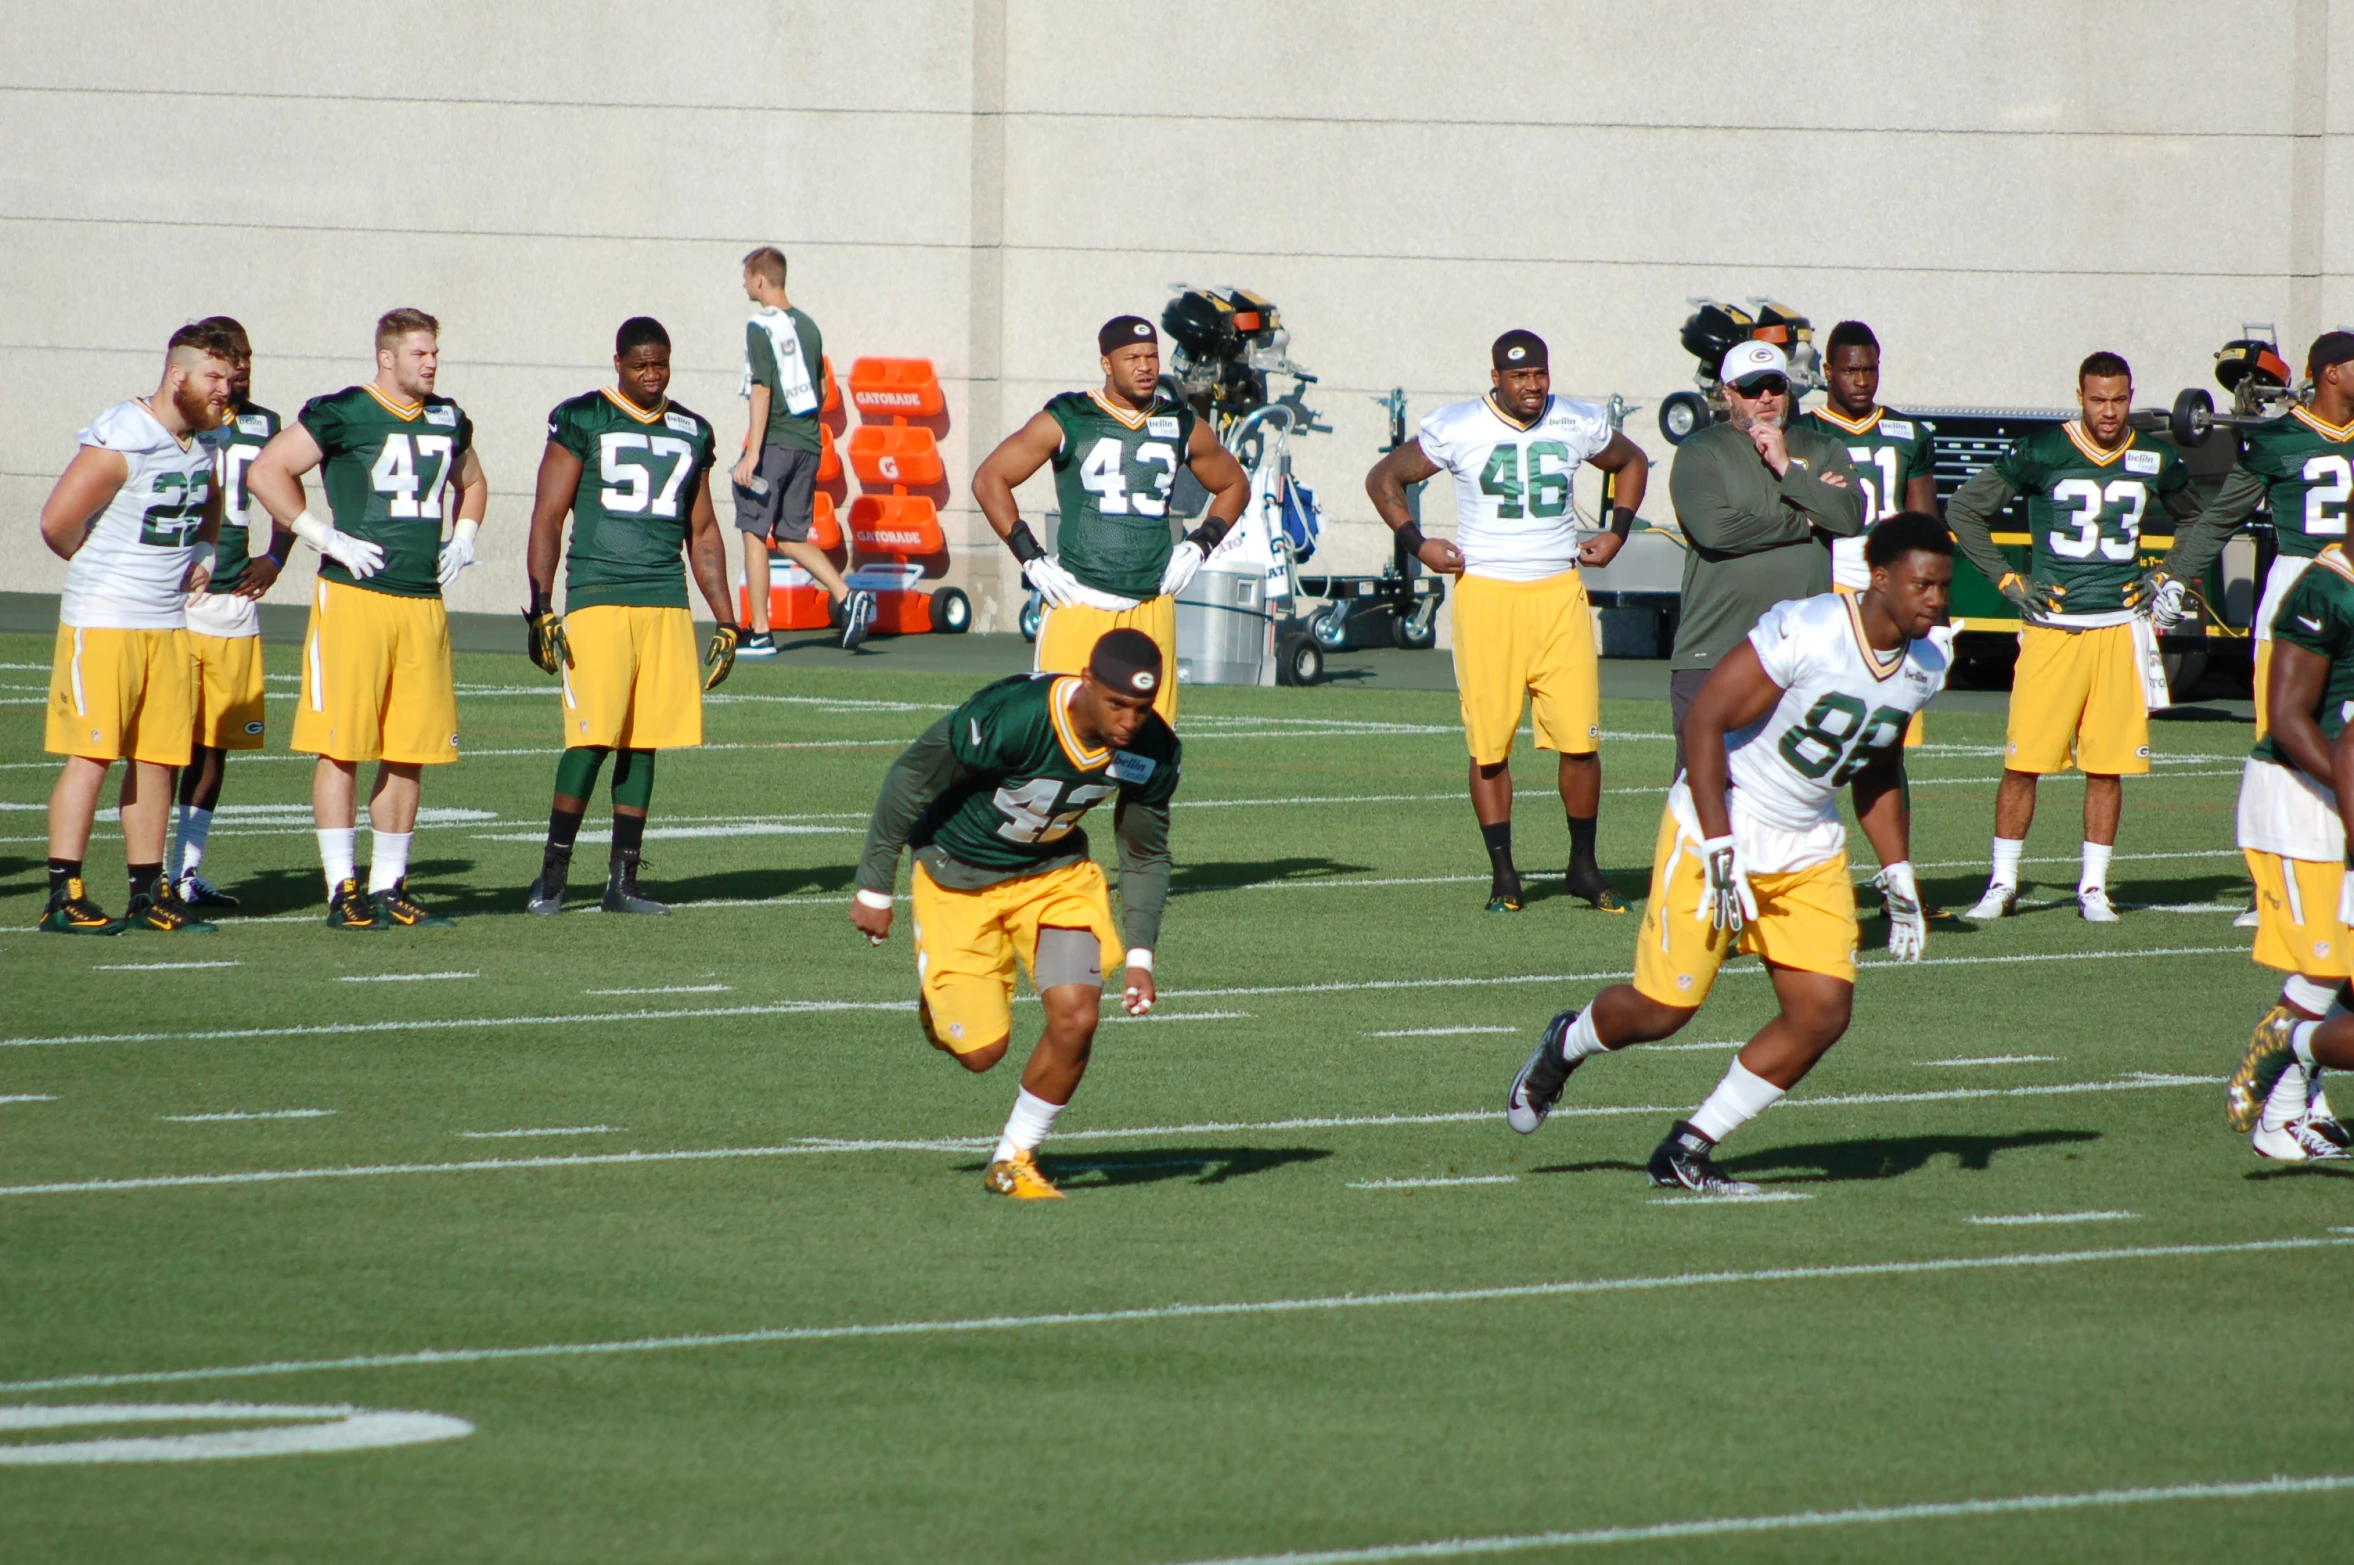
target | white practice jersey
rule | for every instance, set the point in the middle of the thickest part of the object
(1842, 705)
(2284, 811)
(127, 573)
(1513, 516)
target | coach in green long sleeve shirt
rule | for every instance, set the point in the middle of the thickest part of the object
(1759, 505)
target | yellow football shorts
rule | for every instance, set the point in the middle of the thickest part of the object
(1532, 643)
(228, 690)
(2263, 682)
(376, 679)
(1805, 919)
(1916, 732)
(2297, 928)
(636, 679)
(1067, 638)
(117, 695)
(2078, 692)
(966, 943)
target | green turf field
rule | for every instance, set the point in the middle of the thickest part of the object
(742, 1296)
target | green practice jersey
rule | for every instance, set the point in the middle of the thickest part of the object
(2318, 615)
(786, 427)
(639, 474)
(1888, 449)
(234, 446)
(2307, 469)
(2086, 510)
(388, 472)
(1112, 475)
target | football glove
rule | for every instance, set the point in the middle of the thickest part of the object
(458, 553)
(547, 644)
(356, 555)
(721, 656)
(2036, 601)
(1731, 904)
(1184, 560)
(1908, 930)
(1056, 585)
(2165, 599)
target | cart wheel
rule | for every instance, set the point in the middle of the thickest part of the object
(1680, 414)
(1330, 626)
(952, 612)
(2193, 418)
(2184, 670)
(1033, 610)
(1299, 661)
(1419, 631)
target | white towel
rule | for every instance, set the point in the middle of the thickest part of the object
(2152, 664)
(793, 375)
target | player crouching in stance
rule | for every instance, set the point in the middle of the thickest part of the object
(991, 797)
(634, 470)
(1752, 855)
(2292, 828)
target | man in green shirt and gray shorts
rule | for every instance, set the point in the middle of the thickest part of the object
(776, 478)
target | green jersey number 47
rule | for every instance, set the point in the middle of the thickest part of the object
(395, 474)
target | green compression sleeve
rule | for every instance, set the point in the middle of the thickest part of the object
(576, 774)
(1143, 830)
(633, 778)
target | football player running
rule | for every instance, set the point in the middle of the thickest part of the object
(225, 626)
(134, 516)
(1752, 855)
(633, 470)
(1115, 453)
(2292, 827)
(991, 798)
(2078, 696)
(377, 684)
(1523, 632)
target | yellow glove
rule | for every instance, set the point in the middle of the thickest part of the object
(547, 646)
(721, 655)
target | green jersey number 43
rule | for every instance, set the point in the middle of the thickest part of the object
(1544, 493)
(1102, 472)
(1040, 811)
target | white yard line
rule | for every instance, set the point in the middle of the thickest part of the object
(1432, 1184)
(400, 978)
(432, 1357)
(1181, 1016)
(2019, 1219)
(207, 1119)
(666, 989)
(552, 1130)
(1799, 1521)
(28, 1097)
(1438, 1032)
(1729, 1200)
(158, 967)
(1999, 1059)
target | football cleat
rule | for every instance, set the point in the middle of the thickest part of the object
(1586, 882)
(621, 890)
(546, 897)
(1542, 1076)
(2000, 901)
(858, 613)
(2299, 1141)
(2268, 1053)
(71, 912)
(399, 911)
(1018, 1177)
(2093, 905)
(350, 908)
(1681, 1162)
(1504, 895)
(161, 910)
(199, 892)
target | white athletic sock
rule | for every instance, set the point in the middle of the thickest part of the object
(2095, 872)
(195, 826)
(1581, 1040)
(1738, 1099)
(2006, 860)
(1026, 1126)
(2314, 999)
(2288, 1099)
(337, 845)
(388, 859)
(2301, 1040)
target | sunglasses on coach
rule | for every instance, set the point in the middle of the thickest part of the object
(1763, 386)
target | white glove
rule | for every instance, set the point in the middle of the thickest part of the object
(1184, 560)
(356, 555)
(458, 553)
(1731, 903)
(1057, 586)
(2168, 607)
(1908, 929)
(199, 574)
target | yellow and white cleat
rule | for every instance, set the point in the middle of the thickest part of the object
(1018, 1176)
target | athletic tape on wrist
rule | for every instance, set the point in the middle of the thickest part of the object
(879, 900)
(1140, 956)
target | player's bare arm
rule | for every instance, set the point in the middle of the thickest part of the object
(1215, 468)
(1739, 691)
(1017, 457)
(756, 431)
(551, 502)
(2298, 677)
(707, 554)
(1630, 475)
(83, 490)
(1386, 485)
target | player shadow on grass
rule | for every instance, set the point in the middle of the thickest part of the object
(1234, 875)
(32, 868)
(1200, 1166)
(2051, 895)
(1831, 1162)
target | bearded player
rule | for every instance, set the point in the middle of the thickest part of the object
(1752, 855)
(2292, 827)
(991, 798)
(377, 684)
(225, 626)
(134, 516)
(1115, 453)
(633, 469)
(1524, 635)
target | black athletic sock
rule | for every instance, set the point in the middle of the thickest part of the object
(1499, 840)
(61, 871)
(1581, 840)
(629, 835)
(144, 877)
(563, 827)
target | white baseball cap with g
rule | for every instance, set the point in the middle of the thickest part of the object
(1751, 359)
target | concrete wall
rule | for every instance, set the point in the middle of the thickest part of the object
(1997, 187)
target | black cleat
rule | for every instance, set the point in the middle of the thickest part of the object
(546, 897)
(1504, 895)
(621, 890)
(350, 909)
(398, 910)
(199, 892)
(1538, 1086)
(1586, 882)
(1681, 1162)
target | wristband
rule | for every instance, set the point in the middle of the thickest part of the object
(1622, 520)
(1025, 547)
(878, 900)
(1411, 536)
(1208, 535)
(1140, 956)
(464, 532)
(541, 601)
